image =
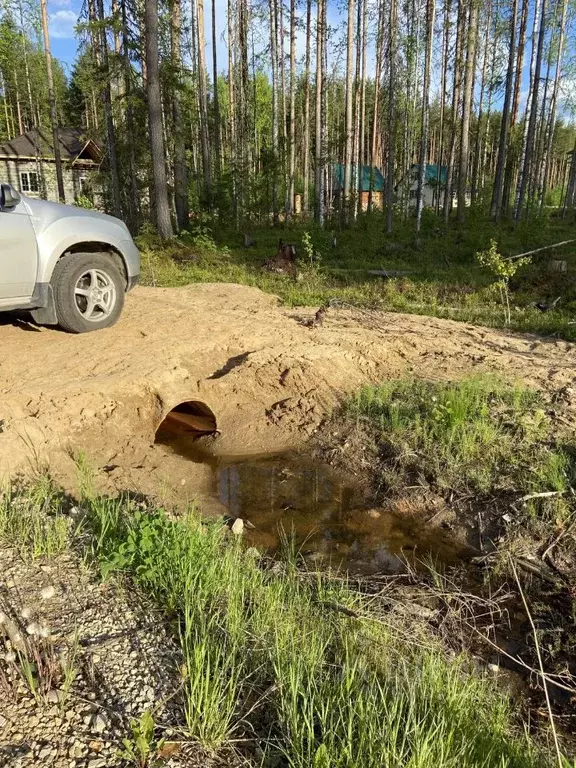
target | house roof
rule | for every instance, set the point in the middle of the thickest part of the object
(367, 174)
(434, 173)
(38, 143)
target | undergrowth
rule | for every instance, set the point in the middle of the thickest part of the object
(478, 436)
(440, 277)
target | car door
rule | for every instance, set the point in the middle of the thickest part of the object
(18, 253)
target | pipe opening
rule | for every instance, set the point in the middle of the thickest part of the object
(192, 418)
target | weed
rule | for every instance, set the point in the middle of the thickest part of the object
(34, 522)
(142, 749)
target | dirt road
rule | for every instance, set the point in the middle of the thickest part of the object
(267, 377)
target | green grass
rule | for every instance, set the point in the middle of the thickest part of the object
(443, 277)
(267, 660)
(34, 522)
(479, 436)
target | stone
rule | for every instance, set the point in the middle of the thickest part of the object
(238, 526)
(95, 746)
(99, 723)
(76, 750)
(48, 592)
(97, 762)
(54, 696)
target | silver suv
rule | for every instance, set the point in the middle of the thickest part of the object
(68, 266)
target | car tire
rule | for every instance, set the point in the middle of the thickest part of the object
(88, 292)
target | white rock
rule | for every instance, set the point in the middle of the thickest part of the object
(48, 592)
(238, 526)
(99, 723)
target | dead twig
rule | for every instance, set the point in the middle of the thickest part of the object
(540, 664)
(519, 661)
(543, 495)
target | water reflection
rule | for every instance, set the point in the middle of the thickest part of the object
(328, 519)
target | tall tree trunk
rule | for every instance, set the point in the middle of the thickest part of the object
(320, 116)
(349, 113)
(133, 196)
(377, 86)
(107, 98)
(232, 108)
(274, 146)
(526, 167)
(430, 13)
(362, 110)
(553, 106)
(157, 147)
(217, 138)
(5, 100)
(478, 142)
(443, 79)
(391, 164)
(497, 195)
(455, 107)
(180, 166)
(466, 110)
(292, 135)
(243, 107)
(203, 103)
(512, 151)
(282, 72)
(306, 141)
(32, 121)
(52, 103)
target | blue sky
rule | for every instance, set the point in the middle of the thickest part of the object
(63, 15)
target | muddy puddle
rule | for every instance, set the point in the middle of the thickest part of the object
(291, 495)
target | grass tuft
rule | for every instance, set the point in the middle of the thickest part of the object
(34, 522)
(478, 435)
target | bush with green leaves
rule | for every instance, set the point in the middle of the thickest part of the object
(503, 269)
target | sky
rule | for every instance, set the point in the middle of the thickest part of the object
(63, 17)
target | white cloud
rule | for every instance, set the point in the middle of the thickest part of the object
(62, 24)
(61, 3)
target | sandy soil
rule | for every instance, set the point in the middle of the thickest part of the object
(268, 378)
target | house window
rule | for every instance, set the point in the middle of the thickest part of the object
(414, 194)
(29, 182)
(84, 185)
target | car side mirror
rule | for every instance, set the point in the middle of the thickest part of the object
(9, 197)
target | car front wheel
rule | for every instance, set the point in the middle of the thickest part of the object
(88, 292)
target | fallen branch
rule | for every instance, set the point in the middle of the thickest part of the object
(538, 250)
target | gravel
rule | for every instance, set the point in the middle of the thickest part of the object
(125, 660)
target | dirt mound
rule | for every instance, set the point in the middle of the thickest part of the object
(266, 376)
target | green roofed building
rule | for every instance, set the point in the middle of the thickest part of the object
(370, 179)
(434, 184)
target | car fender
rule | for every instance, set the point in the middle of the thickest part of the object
(70, 232)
